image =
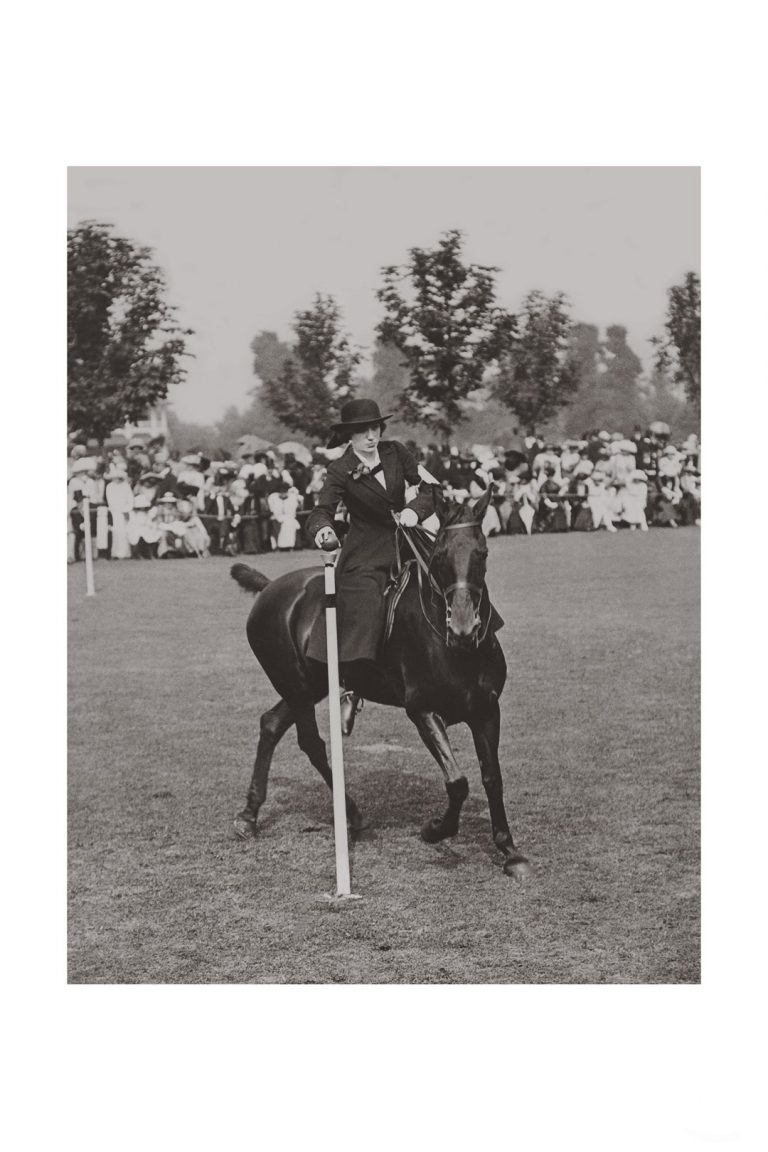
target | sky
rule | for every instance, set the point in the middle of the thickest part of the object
(244, 248)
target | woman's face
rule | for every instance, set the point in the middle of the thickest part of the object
(366, 439)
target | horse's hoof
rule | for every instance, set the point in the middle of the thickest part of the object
(436, 830)
(517, 867)
(245, 826)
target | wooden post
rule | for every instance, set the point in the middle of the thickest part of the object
(89, 586)
(343, 885)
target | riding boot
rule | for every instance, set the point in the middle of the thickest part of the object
(351, 704)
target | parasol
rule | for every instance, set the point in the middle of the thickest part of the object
(299, 451)
(250, 443)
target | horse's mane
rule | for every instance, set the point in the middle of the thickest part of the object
(454, 513)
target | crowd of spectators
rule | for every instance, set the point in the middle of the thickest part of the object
(147, 502)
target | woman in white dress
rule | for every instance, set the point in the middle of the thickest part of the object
(634, 497)
(119, 499)
(283, 506)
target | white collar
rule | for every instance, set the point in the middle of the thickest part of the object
(376, 458)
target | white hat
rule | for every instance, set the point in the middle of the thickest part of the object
(84, 464)
(194, 460)
(168, 498)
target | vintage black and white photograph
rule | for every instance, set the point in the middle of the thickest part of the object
(383, 522)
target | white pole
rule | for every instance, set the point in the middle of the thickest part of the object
(89, 588)
(343, 886)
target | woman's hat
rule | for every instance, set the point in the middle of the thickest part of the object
(168, 498)
(355, 414)
(85, 464)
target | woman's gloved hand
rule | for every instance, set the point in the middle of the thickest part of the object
(327, 539)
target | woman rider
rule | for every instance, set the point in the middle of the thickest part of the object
(371, 479)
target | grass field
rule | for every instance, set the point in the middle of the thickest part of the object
(599, 752)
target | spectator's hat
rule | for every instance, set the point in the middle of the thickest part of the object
(603, 435)
(168, 498)
(78, 450)
(638, 474)
(670, 450)
(193, 460)
(226, 469)
(85, 464)
(355, 414)
(585, 468)
(628, 446)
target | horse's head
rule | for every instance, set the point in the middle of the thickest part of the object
(458, 566)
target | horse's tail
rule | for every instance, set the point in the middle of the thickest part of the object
(248, 578)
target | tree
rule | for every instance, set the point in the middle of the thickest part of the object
(680, 349)
(621, 368)
(124, 347)
(442, 316)
(316, 378)
(537, 376)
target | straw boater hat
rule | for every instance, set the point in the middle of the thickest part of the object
(168, 498)
(354, 415)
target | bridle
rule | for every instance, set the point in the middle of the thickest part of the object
(425, 576)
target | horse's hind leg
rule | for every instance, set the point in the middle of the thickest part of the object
(431, 728)
(485, 733)
(274, 724)
(312, 743)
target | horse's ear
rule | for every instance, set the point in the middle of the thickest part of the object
(481, 507)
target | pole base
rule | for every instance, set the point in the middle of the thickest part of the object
(337, 899)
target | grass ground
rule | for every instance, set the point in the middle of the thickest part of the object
(599, 751)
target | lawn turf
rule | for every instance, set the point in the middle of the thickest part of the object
(599, 752)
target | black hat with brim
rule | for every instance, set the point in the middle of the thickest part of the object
(355, 414)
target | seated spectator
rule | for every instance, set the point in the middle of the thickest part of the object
(548, 456)
(283, 507)
(664, 501)
(690, 499)
(524, 498)
(143, 533)
(600, 500)
(578, 489)
(634, 497)
(195, 538)
(219, 516)
(550, 513)
(569, 457)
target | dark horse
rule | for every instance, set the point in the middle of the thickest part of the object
(442, 663)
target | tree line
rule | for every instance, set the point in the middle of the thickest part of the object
(447, 354)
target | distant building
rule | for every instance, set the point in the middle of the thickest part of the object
(155, 424)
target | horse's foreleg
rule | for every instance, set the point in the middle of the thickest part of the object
(312, 743)
(431, 728)
(485, 732)
(274, 724)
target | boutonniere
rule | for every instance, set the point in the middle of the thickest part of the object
(360, 470)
